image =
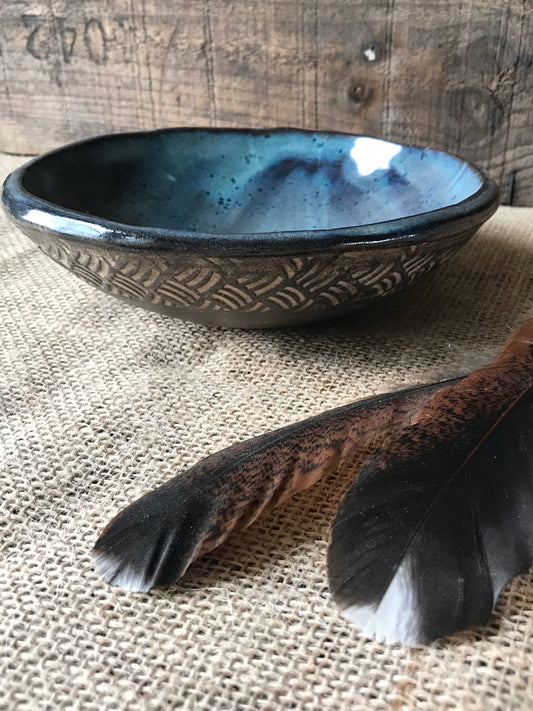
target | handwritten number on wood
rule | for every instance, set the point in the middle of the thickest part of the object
(36, 45)
(95, 42)
(68, 38)
(42, 30)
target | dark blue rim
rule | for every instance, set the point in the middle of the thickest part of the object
(423, 227)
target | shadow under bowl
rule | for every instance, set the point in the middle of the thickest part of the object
(248, 228)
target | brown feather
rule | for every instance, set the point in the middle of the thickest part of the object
(153, 540)
(440, 519)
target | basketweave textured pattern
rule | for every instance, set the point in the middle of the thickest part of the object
(102, 401)
(287, 288)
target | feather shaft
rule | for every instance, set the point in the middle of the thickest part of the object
(154, 540)
(437, 522)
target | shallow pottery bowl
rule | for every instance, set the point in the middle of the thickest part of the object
(248, 228)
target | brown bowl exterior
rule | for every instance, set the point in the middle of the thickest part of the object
(255, 291)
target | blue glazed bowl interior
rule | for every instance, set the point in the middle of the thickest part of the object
(235, 182)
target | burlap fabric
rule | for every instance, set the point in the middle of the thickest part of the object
(102, 401)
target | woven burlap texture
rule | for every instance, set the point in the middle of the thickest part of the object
(102, 401)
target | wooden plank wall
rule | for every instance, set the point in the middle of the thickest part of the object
(456, 74)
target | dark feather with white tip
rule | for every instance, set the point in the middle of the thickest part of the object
(438, 522)
(154, 539)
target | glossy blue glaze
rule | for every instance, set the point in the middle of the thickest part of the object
(236, 182)
(248, 228)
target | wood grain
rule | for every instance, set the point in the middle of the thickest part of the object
(456, 75)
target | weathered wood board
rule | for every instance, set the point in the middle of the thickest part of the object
(447, 73)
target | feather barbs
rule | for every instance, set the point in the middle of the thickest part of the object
(426, 537)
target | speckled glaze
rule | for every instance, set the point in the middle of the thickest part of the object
(248, 228)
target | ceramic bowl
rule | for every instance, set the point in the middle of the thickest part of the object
(248, 228)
